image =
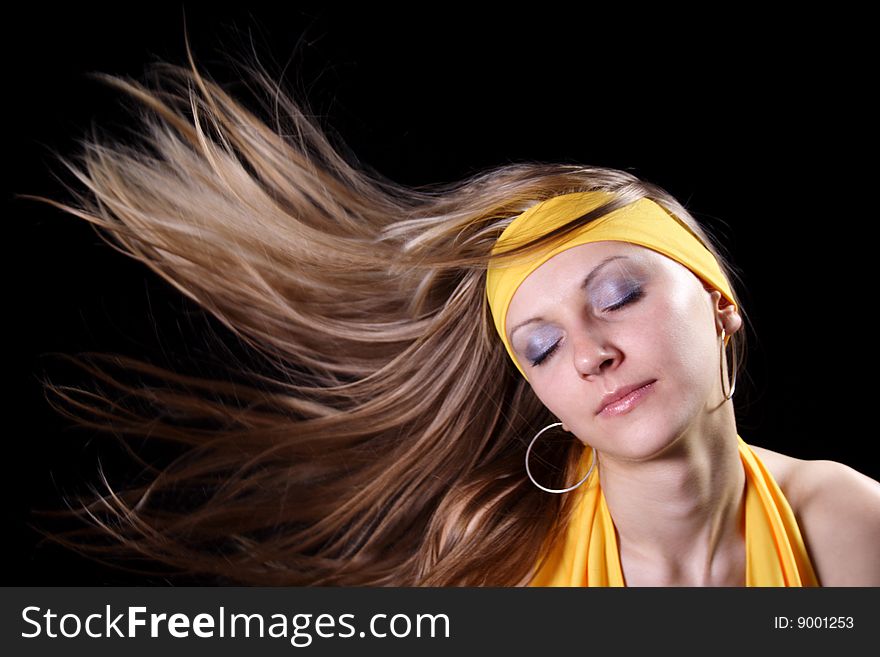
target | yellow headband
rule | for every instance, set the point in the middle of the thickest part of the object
(643, 222)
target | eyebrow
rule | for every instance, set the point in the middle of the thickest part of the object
(584, 285)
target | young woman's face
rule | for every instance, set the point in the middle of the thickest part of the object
(611, 315)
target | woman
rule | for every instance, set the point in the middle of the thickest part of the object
(380, 439)
(621, 331)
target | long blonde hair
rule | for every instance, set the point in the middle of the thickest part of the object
(380, 440)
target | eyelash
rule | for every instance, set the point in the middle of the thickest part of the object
(635, 295)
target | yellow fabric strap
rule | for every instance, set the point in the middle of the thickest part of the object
(588, 553)
(643, 222)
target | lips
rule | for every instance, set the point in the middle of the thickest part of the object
(620, 393)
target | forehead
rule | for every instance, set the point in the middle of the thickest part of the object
(565, 272)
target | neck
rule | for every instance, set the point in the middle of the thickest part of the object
(680, 516)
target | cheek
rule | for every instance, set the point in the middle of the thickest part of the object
(560, 398)
(687, 349)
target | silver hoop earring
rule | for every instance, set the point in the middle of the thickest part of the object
(724, 358)
(556, 490)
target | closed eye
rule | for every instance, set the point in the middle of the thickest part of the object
(629, 298)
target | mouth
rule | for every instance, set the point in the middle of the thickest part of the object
(623, 399)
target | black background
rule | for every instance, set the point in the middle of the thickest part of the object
(757, 125)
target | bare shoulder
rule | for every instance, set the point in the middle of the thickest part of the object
(838, 512)
(839, 516)
(782, 467)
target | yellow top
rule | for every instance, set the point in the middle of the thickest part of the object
(588, 554)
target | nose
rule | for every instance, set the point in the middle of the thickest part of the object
(591, 354)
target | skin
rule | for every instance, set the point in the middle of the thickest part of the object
(670, 468)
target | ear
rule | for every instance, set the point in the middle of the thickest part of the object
(726, 316)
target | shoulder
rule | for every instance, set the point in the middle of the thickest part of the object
(838, 511)
(781, 466)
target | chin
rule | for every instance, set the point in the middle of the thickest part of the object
(640, 439)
